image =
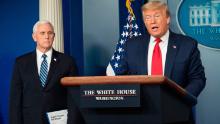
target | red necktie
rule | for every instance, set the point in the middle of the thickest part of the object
(157, 68)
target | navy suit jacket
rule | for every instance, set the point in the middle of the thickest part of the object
(183, 64)
(29, 101)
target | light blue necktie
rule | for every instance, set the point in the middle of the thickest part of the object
(43, 70)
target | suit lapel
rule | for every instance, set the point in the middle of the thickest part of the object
(53, 66)
(145, 43)
(173, 46)
(33, 66)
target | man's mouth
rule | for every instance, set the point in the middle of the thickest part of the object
(154, 28)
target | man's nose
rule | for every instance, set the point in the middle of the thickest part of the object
(47, 35)
(152, 20)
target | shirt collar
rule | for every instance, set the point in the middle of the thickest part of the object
(164, 38)
(48, 53)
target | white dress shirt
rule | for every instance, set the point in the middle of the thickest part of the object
(40, 59)
(163, 47)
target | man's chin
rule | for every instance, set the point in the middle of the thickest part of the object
(155, 34)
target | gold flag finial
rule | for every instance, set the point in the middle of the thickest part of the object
(128, 6)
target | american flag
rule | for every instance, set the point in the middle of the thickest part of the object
(130, 29)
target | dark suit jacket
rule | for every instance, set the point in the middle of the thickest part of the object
(29, 101)
(183, 64)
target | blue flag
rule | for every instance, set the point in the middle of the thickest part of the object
(129, 27)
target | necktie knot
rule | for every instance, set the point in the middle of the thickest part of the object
(157, 40)
(44, 56)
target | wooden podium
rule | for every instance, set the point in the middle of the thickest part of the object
(162, 101)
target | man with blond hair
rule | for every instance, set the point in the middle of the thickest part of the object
(163, 52)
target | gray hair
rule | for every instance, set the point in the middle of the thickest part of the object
(41, 22)
(153, 5)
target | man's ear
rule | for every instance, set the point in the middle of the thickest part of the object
(34, 37)
(168, 20)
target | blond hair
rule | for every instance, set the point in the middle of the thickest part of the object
(154, 5)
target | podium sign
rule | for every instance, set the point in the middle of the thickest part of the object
(110, 96)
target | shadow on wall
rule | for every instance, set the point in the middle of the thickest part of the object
(95, 61)
(96, 57)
